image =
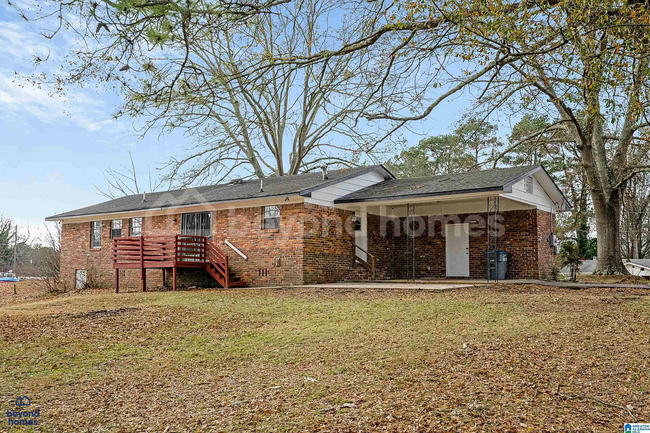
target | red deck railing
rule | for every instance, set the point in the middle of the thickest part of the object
(170, 251)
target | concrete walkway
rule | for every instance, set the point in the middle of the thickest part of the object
(390, 285)
(436, 285)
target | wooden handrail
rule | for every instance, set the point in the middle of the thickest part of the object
(235, 249)
(372, 258)
(218, 260)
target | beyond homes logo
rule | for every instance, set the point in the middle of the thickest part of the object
(24, 417)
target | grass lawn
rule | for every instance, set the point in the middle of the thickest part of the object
(479, 359)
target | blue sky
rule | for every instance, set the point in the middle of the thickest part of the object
(53, 149)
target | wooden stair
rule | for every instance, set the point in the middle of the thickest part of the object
(217, 275)
(368, 264)
(216, 264)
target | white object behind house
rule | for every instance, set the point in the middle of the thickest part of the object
(639, 267)
(80, 279)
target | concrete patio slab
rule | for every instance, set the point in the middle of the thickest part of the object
(435, 285)
(391, 285)
(439, 285)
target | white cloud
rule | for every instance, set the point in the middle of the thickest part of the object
(21, 45)
(78, 107)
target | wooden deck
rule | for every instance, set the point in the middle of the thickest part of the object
(170, 252)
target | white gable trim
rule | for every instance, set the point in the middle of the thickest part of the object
(546, 195)
(326, 196)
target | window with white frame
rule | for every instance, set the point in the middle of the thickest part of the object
(197, 224)
(116, 229)
(96, 234)
(528, 184)
(271, 219)
(136, 226)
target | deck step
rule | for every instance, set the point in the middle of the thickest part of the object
(234, 281)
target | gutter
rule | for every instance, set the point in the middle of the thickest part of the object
(156, 209)
(420, 195)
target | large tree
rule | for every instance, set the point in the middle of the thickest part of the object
(582, 62)
(211, 69)
(533, 141)
(469, 145)
(636, 217)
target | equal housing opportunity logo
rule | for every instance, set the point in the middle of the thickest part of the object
(637, 428)
(25, 415)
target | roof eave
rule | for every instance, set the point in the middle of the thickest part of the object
(55, 218)
(342, 200)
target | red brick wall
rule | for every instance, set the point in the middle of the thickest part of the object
(242, 227)
(274, 256)
(523, 236)
(314, 245)
(76, 254)
(328, 241)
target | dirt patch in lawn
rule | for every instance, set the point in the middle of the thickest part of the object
(495, 358)
(102, 313)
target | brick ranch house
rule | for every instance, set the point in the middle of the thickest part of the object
(310, 228)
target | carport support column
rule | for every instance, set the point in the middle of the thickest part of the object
(492, 209)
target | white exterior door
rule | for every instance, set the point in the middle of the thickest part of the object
(361, 235)
(457, 241)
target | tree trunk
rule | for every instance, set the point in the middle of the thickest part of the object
(635, 247)
(608, 229)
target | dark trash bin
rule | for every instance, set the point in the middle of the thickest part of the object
(497, 264)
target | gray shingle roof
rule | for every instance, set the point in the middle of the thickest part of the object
(587, 267)
(459, 183)
(273, 186)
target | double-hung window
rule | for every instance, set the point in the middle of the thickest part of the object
(96, 234)
(116, 229)
(136, 226)
(271, 219)
(197, 224)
